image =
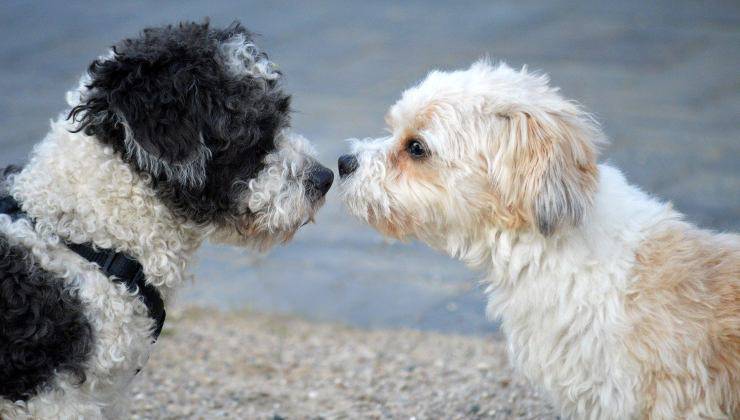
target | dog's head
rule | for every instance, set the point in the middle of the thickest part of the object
(200, 112)
(484, 147)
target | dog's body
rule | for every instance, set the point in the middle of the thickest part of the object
(609, 301)
(177, 137)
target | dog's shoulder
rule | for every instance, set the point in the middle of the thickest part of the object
(43, 328)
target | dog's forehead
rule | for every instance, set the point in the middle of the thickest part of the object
(439, 93)
(431, 110)
(483, 86)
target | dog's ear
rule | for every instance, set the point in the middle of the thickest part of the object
(161, 114)
(552, 158)
(145, 99)
(157, 104)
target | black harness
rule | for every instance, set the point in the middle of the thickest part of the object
(118, 266)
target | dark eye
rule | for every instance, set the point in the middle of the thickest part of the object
(416, 149)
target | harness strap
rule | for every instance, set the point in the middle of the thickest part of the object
(117, 266)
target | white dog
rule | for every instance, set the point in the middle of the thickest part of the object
(177, 136)
(609, 300)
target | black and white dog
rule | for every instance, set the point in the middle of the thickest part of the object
(177, 136)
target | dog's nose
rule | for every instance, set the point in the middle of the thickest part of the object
(347, 164)
(320, 179)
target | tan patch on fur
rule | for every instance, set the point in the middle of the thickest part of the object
(425, 116)
(685, 313)
(418, 170)
(404, 168)
(412, 169)
(506, 216)
(392, 226)
(250, 234)
(552, 163)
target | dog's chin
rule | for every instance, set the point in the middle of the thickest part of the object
(392, 224)
(249, 236)
(250, 233)
(392, 228)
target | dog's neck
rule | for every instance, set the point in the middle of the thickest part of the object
(81, 191)
(517, 263)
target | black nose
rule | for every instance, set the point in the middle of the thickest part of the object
(320, 179)
(347, 164)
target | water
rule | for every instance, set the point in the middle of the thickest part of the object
(662, 77)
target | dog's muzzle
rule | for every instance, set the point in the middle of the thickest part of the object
(318, 182)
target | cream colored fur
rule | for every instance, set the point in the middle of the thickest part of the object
(510, 185)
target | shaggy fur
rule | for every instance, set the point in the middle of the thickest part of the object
(610, 302)
(170, 104)
(170, 141)
(38, 316)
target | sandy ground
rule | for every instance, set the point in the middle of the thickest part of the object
(250, 365)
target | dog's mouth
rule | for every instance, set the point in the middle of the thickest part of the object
(275, 205)
(258, 223)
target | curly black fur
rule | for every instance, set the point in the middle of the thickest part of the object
(9, 170)
(171, 88)
(43, 329)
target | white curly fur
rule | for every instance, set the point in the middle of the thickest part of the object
(76, 189)
(273, 195)
(276, 198)
(245, 58)
(577, 315)
(79, 191)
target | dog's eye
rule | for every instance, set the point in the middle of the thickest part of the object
(416, 149)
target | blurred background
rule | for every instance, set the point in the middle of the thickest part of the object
(663, 77)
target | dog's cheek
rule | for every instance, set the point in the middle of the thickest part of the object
(391, 224)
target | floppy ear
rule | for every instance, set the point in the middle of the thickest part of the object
(159, 110)
(149, 110)
(553, 166)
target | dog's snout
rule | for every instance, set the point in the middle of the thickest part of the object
(320, 179)
(347, 164)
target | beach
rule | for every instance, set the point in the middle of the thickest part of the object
(210, 364)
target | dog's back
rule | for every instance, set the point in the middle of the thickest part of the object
(686, 308)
